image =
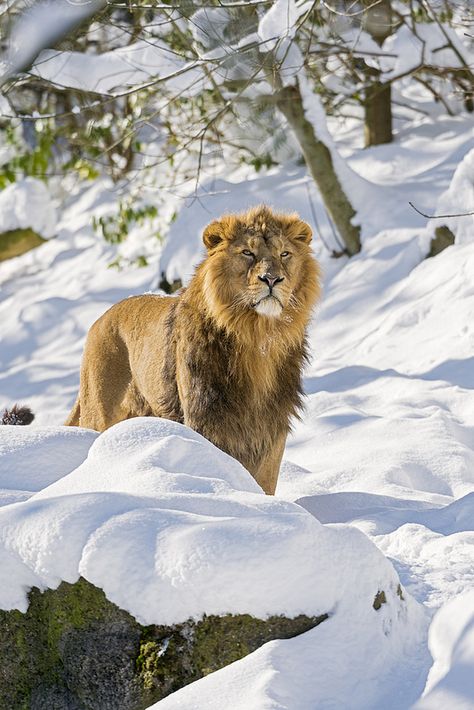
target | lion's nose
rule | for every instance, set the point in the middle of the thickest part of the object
(270, 280)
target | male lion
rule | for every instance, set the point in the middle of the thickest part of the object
(225, 355)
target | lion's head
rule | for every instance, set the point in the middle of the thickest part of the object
(260, 269)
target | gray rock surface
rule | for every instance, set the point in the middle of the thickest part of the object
(76, 650)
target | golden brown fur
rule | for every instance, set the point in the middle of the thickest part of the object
(225, 355)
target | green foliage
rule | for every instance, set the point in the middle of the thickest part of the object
(115, 228)
(262, 161)
(37, 161)
(28, 162)
(82, 167)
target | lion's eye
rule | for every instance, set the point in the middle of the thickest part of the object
(284, 253)
(247, 252)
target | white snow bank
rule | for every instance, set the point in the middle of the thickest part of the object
(451, 642)
(459, 199)
(171, 528)
(34, 457)
(27, 203)
(390, 408)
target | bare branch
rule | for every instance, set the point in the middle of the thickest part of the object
(343, 13)
(440, 216)
(236, 3)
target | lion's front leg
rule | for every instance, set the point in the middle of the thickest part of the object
(266, 473)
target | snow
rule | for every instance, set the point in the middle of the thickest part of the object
(377, 483)
(451, 642)
(165, 523)
(280, 22)
(209, 27)
(429, 46)
(458, 199)
(398, 173)
(344, 663)
(33, 30)
(27, 203)
(137, 63)
(24, 470)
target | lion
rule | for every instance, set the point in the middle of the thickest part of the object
(225, 355)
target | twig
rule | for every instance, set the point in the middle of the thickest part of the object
(440, 216)
(343, 13)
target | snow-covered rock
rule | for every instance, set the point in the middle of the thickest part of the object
(73, 648)
(170, 527)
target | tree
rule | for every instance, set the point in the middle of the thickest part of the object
(239, 81)
(378, 22)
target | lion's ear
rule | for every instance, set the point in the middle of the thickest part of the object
(213, 234)
(303, 232)
(298, 230)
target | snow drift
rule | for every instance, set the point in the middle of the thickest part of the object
(171, 528)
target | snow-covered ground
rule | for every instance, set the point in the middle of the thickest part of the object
(386, 445)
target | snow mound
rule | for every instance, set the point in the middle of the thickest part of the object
(23, 470)
(170, 527)
(27, 203)
(451, 642)
(458, 199)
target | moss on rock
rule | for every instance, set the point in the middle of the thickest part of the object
(75, 650)
(17, 242)
(380, 598)
(443, 238)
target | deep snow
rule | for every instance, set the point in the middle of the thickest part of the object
(385, 445)
(171, 528)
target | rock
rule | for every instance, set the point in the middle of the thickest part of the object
(76, 650)
(17, 242)
(443, 238)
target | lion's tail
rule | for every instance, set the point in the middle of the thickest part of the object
(74, 416)
(18, 416)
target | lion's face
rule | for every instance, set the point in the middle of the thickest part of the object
(260, 262)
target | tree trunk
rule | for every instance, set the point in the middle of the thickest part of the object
(378, 96)
(319, 162)
(378, 114)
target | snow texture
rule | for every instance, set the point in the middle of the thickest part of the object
(459, 199)
(279, 21)
(132, 65)
(429, 46)
(33, 30)
(23, 471)
(451, 642)
(27, 203)
(171, 528)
